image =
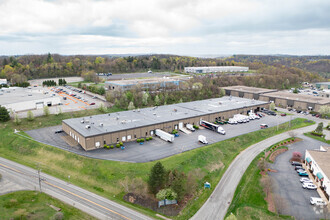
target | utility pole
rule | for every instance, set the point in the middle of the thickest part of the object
(39, 178)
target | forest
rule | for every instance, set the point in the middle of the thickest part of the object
(18, 69)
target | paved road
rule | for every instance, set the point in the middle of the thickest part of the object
(86, 201)
(216, 206)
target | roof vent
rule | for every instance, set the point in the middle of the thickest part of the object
(138, 110)
(82, 121)
(101, 124)
(109, 114)
(87, 126)
(154, 113)
(117, 118)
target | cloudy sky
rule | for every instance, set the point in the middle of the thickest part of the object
(185, 27)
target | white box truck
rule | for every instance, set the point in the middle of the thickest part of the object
(190, 127)
(202, 139)
(164, 135)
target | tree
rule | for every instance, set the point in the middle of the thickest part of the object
(46, 110)
(157, 100)
(17, 121)
(222, 92)
(319, 128)
(145, 97)
(166, 194)
(157, 178)
(4, 114)
(131, 106)
(296, 156)
(296, 90)
(102, 108)
(30, 116)
(325, 110)
(177, 182)
(272, 106)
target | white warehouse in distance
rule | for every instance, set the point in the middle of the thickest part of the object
(215, 69)
(18, 99)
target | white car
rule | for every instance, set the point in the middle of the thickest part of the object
(305, 180)
(317, 201)
(309, 186)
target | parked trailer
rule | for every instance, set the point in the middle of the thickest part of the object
(164, 135)
(202, 139)
(213, 127)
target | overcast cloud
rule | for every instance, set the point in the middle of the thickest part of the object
(187, 27)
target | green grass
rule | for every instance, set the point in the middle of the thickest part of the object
(104, 177)
(317, 138)
(35, 205)
(248, 201)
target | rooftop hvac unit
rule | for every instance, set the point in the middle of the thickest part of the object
(117, 118)
(109, 114)
(87, 126)
(138, 110)
(101, 124)
(82, 121)
(154, 113)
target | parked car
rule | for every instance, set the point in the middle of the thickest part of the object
(298, 167)
(317, 201)
(301, 170)
(295, 163)
(283, 114)
(263, 126)
(303, 174)
(93, 103)
(304, 179)
(309, 186)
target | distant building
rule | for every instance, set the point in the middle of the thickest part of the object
(151, 84)
(3, 82)
(318, 163)
(322, 85)
(215, 69)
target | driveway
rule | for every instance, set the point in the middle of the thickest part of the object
(157, 148)
(289, 196)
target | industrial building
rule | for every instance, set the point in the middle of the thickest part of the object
(246, 92)
(3, 82)
(95, 131)
(322, 85)
(151, 84)
(280, 98)
(18, 99)
(215, 69)
(318, 163)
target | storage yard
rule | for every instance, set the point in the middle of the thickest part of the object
(95, 131)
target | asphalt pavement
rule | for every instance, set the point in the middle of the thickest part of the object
(88, 202)
(290, 198)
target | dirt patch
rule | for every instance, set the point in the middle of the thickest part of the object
(274, 154)
(152, 203)
(216, 166)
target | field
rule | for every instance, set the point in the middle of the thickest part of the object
(105, 177)
(35, 205)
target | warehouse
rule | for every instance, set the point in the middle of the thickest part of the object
(318, 163)
(215, 69)
(322, 85)
(23, 99)
(246, 92)
(297, 101)
(151, 84)
(95, 131)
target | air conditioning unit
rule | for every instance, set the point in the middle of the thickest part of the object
(82, 121)
(101, 124)
(87, 126)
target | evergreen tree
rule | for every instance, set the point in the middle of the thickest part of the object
(157, 100)
(30, 116)
(157, 178)
(319, 128)
(145, 97)
(131, 106)
(4, 114)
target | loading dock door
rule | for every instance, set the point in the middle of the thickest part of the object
(39, 105)
(180, 125)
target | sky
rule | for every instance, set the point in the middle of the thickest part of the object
(182, 27)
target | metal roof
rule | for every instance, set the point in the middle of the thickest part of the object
(249, 89)
(113, 122)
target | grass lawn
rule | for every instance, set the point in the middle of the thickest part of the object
(104, 177)
(35, 205)
(248, 201)
(317, 138)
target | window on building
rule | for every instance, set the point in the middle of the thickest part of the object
(117, 139)
(134, 136)
(97, 144)
(78, 140)
(129, 137)
(123, 138)
(104, 142)
(146, 133)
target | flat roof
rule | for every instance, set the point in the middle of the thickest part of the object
(221, 67)
(119, 121)
(141, 81)
(323, 83)
(17, 94)
(249, 89)
(298, 97)
(322, 159)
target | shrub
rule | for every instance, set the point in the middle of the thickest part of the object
(142, 140)
(196, 127)
(174, 131)
(105, 146)
(111, 146)
(118, 145)
(138, 140)
(150, 138)
(147, 138)
(316, 134)
(121, 143)
(108, 147)
(4, 114)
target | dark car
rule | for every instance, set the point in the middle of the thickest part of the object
(263, 126)
(93, 103)
(283, 114)
(298, 167)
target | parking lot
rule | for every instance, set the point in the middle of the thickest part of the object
(157, 148)
(289, 196)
